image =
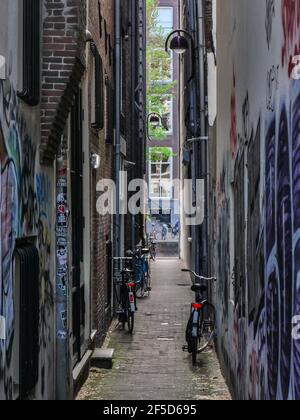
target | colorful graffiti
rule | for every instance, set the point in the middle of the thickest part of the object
(258, 352)
(25, 199)
(272, 87)
(233, 119)
(270, 14)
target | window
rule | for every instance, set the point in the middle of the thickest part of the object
(109, 112)
(165, 19)
(97, 87)
(31, 53)
(160, 174)
(161, 64)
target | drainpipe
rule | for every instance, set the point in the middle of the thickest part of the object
(203, 129)
(63, 369)
(194, 101)
(133, 101)
(118, 158)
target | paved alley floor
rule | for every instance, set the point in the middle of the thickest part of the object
(150, 365)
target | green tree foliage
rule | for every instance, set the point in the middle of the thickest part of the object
(160, 86)
(160, 154)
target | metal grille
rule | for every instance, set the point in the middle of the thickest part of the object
(120, 264)
(28, 259)
(98, 124)
(31, 52)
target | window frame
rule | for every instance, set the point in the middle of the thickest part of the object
(171, 163)
(31, 54)
(98, 85)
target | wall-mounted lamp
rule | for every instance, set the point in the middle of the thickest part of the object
(95, 161)
(129, 165)
(154, 121)
(181, 41)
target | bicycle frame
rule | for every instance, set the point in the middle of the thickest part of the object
(131, 296)
(196, 319)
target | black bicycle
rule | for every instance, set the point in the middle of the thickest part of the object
(201, 327)
(142, 271)
(127, 300)
(152, 247)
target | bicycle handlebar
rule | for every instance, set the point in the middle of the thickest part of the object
(185, 270)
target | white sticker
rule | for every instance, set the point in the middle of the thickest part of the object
(2, 328)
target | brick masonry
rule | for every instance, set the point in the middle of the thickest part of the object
(62, 68)
(100, 24)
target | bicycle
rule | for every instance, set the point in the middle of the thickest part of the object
(141, 266)
(152, 247)
(200, 331)
(126, 300)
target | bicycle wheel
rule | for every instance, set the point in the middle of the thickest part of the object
(192, 342)
(130, 322)
(195, 350)
(140, 289)
(207, 327)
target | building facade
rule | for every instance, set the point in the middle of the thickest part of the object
(256, 212)
(57, 141)
(164, 169)
(195, 133)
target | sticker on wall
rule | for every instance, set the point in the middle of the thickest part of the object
(62, 232)
(62, 183)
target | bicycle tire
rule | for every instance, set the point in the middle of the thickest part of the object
(207, 326)
(192, 342)
(140, 290)
(195, 351)
(130, 322)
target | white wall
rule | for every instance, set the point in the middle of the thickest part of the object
(30, 213)
(256, 348)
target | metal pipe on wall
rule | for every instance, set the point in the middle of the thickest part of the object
(63, 371)
(118, 158)
(133, 107)
(203, 128)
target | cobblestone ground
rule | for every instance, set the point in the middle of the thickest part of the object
(150, 365)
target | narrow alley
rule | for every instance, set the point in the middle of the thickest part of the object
(150, 130)
(150, 365)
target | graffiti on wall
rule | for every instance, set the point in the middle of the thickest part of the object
(25, 199)
(233, 119)
(270, 14)
(272, 87)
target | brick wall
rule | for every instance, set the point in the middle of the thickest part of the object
(63, 65)
(100, 24)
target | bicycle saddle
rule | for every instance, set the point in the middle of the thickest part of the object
(145, 251)
(199, 288)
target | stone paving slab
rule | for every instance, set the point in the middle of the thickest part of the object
(150, 365)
